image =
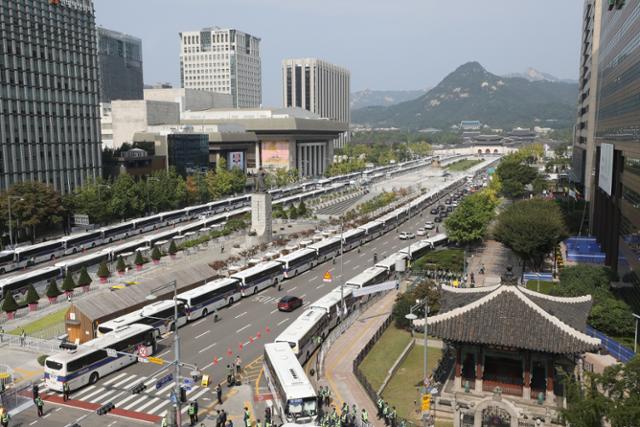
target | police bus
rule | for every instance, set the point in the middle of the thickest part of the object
(297, 262)
(160, 315)
(259, 276)
(91, 361)
(370, 276)
(327, 249)
(294, 398)
(210, 297)
(305, 334)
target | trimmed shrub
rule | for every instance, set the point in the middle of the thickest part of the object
(139, 260)
(103, 270)
(120, 265)
(52, 290)
(155, 254)
(84, 280)
(32, 295)
(9, 305)
(68, 285)
(172, 247)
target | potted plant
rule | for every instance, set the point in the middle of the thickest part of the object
(84, 280)
(32, 298)
(9, 306)
(52, 291)
(120, 266)
(156, 255)
(68, 285)
(103, 271)
(172, 249)
(139, 261)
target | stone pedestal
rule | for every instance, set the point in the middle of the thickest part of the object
(261, 218)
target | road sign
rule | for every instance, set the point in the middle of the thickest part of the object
(163, 381)
(156, 360)
(426, 402)
(327, 277)
(81, 219)
(112, 353)
(173, 398)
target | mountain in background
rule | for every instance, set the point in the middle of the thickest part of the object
(384, 98)
(534, 75)
(473, 93)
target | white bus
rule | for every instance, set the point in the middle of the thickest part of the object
(352, 238)
(19, 283)
(90, 362)
(372, 230)
(81, 241)
(331, 305)
(390, 262)
(7, 261)
(297, 262)
(259, 276)
(40, 252)
(305, 334)
(326, 249)
(417, 249)
(210, 297)
(159, 315)
(370, 276)
(294, 398)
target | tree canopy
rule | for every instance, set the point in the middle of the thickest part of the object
(515, 175)
(468, 223)
(531, 228)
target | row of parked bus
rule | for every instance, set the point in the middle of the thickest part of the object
(24, 256)
(87, 366)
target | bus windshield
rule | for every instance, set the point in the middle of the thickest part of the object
(302, 407)
(54, 366)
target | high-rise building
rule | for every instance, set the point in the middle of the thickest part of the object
(49, 118)
(616, 201)
(222, 60)
(120, 62)
(583, 142)
(319, 87)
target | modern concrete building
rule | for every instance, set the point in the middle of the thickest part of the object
(106, 125)
(129, 117)
(319, 87)
(49, 118)
(190, 99)
(120, 64)
(286, 138)
(224, 61)
(584, 145)
(616, 201)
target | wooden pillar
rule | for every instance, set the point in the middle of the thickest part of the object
(526, 388)
(550, 394)
(479, 369)
(458, 371)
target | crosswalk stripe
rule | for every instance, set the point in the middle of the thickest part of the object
(114, 397)
(100, 390)
(82, 391)
(166, 388)
(200, 393)
(126, 380)
(149, 403)
(131, 405)
(194, 388)
(152, 380)
(125, 400)
(115, 378)
(157, 408)
(163, 413)
(103, 395)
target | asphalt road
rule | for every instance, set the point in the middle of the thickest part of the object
(242, 329)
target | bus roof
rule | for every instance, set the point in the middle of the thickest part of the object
(81, 259)
(207, 287)
(367, 275)
(370, 224)
(28, 275)
(288, 370)
(256, 269)
(420, 244)
(299, 327)
(391, 260)
(329, 300)
(296, 254)
(325, 242)
(352, 232)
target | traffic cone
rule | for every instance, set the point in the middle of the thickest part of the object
(259, 334)
(251, 340)
(215, 361)
(267, 330)
(240, 346)
(229, 352)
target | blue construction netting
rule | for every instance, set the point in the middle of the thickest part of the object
(584, 250)
(531, 276)
(615, 349)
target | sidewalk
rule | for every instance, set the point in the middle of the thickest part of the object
(339, 360)
(495, 257)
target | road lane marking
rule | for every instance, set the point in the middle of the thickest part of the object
(100, 390)
(314, 278)
(33, 422)
(125, 400)
(347, 261)
(106, 393)
(86, 390)
(243, 328)
(199, 321)
(115, 378)
(291, 289)
(273, 311)
(117, 395)
(240, 315)
(126, 380)
(157, 408)
(282, 321)
(131, 405)
(207, 347)
(363, 254)
(164, 352)
(166, 388)
(302, 296)
(202, 334)
(200, 393)
(357, 266)
(149, 403)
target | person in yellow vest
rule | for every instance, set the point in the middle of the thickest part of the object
(4, 418)
(192, 414)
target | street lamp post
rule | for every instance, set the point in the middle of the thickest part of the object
(344, 308)
(176, 344)
(413, 317)
(635, 340)
(10, 227)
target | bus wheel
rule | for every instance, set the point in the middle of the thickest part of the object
(94, 378)
(205, 312)
(230, 301)
(2, 271)
(172, 328)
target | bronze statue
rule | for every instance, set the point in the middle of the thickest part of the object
(259, 181)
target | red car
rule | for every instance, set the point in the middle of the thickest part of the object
(289, 303)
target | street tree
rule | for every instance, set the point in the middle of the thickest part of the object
(224, 182)
(515, 175)
(468, 223)
(531, 229)
(93, 199)
(127, 198)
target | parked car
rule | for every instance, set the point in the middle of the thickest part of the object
(289, 303)
(429, 225)
(437, 219)
(434, 211)
(449, 209)
(406, 236)
(421, 232)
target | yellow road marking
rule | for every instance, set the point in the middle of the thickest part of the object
(258, 380)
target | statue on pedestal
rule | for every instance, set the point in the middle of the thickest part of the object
(260, 186)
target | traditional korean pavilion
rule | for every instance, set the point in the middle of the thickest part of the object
(512, 347)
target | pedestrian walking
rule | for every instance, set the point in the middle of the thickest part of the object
(267, 414)
(385, 413)
(195, 407)
(219, 393)
(380, 406)
(65, 391)
(164, 422)
(192, 414)
(218, 418)
(4, 419)
(224, 418)
(40, 406)
(364, 418)
(35, 392)
(1, 334)
(247, 417)
(23, 337)
(238, 363)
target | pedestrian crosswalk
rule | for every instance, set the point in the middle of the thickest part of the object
(116, 389)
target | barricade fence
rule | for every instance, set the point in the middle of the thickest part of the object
(17, 396)
(617, 350)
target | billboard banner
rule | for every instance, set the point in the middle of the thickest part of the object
(275, 154)
(605, 178)
(236, 160)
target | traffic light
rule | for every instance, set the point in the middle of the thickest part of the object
(183, 394)
(107, 407)
(138, 388)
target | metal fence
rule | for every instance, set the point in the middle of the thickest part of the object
(30, 343)
(17, 397)
(617, 350)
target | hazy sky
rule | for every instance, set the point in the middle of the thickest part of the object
(392, 44)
